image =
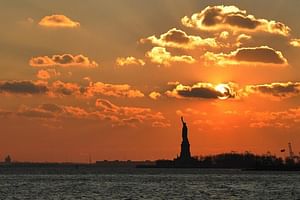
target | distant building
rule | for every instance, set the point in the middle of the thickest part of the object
(7, 159)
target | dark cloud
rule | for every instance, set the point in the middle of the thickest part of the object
(213, 16)
(263, 55)
(242, 21)
(259, 54)
(176, 36)
(277, 90)
(23, 87)
(65, 60)
(202, 90)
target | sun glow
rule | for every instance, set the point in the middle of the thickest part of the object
(224, 90)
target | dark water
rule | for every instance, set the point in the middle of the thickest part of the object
(153, 184)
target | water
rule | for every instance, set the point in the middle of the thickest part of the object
(153, 184)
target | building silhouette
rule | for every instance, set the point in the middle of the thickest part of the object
(7, 159)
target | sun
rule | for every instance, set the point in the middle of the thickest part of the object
(224, 90)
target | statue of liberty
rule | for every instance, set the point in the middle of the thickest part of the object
(185, 153)
(184, 130)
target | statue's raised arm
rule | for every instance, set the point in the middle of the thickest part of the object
(182, 120)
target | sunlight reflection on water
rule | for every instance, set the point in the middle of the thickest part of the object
(153, 184)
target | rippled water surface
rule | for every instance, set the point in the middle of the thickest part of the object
(153, 184)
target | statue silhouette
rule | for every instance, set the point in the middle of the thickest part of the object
(184, 130)
(185, 153)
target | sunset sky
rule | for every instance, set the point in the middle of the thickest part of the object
(111, 78)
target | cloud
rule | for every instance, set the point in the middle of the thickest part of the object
(160, 55)
(154, 95)
(257, 55)
(229, 40)
(54, 108)
(279, 119)
(295, 42)
(130, 116)
(54, 112)
(47, 74)
(113, 90)
(58, 21)
(104, 110)
(216, 18)
(5, 113)
(275, 90)
(189, 111)
(77, 113)
(157, 124)
(121, 61)
(40, 113)
(179, 39)
(65, 60)
(59, 88)
(23, 87)
(203, 91)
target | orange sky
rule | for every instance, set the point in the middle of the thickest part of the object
(112, 80)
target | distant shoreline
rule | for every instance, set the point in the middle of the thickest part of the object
(94, 168)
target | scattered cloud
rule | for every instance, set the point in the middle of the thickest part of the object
(161, 56)
(65, 60)
(113, 90)
(230, 40)
(46, 74)
(203, 91)
(54, 108)
(58, 21)
(179, 39)
(59, 89)
(189, 111)
(55, 112)
(123, 61)
(218, 18)
(157, 124)
(130, 116)
(5, 113)
(154, 95)
(25, 111)
(30, 20)
(295, 42)
(87, 78)
(257, 55)
(279, 119)
(173, 83)
(104, 110)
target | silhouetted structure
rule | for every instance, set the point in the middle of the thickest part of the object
(7, 159)
(185, 153)
(185, 160)
(232, 160)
